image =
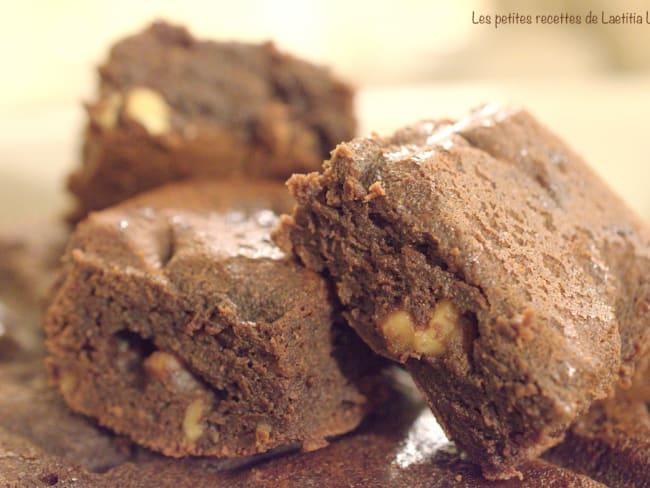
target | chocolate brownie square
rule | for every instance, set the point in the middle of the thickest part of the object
(488, 258)
(178, 323)
(173, 107)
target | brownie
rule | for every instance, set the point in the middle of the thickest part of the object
(178, 323)
(612, 230)
(172, 107)
(400, 445)
(488, 258)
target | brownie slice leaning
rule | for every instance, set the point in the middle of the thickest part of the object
(489, 259)
(171, 107)
(178, 323)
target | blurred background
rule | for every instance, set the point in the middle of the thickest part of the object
(409, 59)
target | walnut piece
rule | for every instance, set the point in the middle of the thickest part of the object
(171, 372)
(162, 365)
(149, 108)
(192, 426)
(107, 110)
(263, 433)
(67, 383)
(404, 339)
(399, 330)
(444, 324)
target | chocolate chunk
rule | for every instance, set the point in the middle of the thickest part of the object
(172, 107)
(490, 260)
(178, 323)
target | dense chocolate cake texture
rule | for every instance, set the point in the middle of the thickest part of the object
(487, 257)
(44, 443)
(177, 322)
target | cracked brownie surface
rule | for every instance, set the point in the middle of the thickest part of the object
(489, 259)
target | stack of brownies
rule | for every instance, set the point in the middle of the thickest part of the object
(217, 329)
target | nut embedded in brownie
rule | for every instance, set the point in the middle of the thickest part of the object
(490, 260)
(172, 107)
(178, 323)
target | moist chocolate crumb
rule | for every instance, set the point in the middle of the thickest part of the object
(178, 323)
(487, 257)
